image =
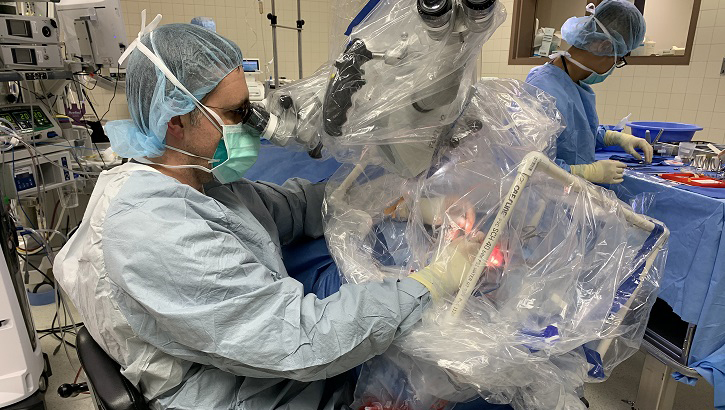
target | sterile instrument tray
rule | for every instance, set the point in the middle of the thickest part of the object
(694, 180)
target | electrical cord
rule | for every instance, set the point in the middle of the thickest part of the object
(115, 88)
(51, 282)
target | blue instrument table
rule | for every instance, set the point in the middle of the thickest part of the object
(694, 279)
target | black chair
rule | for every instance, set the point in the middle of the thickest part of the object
(112, 391)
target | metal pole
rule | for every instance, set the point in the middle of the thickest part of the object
(274, 46)
(299, 36)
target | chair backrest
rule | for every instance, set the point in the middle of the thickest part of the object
(112, 390)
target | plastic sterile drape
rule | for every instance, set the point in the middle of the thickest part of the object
(566, 275)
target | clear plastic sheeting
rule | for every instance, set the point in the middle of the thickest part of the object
(570, 272)
(403, 76)
(539, 280)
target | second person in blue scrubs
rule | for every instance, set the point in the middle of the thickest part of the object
(599, 43)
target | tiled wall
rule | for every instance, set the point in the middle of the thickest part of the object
(691, 94)
(241, 22)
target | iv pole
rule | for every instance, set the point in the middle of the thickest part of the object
(300, 23)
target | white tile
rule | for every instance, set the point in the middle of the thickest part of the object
(704, 119)
(689, 116)
(717, 53)
(697, 69)
(677, 101)
(668, 71)
(694, 85)
(707, 19)
(692, 101)
(646, 114)
(679, 85)
(717, 135)
(654, 70)
(720, 19)
(718, 35)
(660, 114)
(638, 84)
(652, 84)
(720, 105)
(626, 83)
(713, 70)
(700, 52)
(709, 4)
(649, 99)
(665, 85)
(707, 103)
(703, 35)
(663, 100)
(710, 86)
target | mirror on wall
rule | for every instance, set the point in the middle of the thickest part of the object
(670, 30)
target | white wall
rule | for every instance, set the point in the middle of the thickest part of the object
(668, 22)
(241, 22)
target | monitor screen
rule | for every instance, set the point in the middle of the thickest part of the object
(19, 28)
(24, 56)
(250, 66)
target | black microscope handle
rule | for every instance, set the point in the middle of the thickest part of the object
(347, 81)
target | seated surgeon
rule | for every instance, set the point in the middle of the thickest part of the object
(599, 43)
(176, 268)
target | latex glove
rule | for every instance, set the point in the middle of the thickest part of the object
(445, 274)
(434, 211)
(630, 143)
(601, 172)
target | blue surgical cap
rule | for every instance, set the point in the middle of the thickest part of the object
(198, 58)
(206, 22)
(621, 18)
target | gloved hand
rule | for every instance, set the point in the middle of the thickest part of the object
(434, 211)
(445, 274)
(630, 143)
(601, 172)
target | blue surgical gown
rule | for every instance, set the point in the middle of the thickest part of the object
(577, 104)
(188, 292)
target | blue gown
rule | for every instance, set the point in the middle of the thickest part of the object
(577, 104)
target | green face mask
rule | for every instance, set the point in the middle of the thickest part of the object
(236, 153)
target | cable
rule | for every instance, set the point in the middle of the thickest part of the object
(115, 88)
(95, 83)
(77, 375)
(52, 283)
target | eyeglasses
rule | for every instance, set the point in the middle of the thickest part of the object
(621, 62)
(240, 114)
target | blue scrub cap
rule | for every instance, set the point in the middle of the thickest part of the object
(621, 18)
(206, 22)
(199, 59)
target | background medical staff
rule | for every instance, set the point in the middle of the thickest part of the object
(599, 43)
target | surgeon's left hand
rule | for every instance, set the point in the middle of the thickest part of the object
(630, 143)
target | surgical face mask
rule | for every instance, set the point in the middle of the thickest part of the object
(594, 77)
(237, 151)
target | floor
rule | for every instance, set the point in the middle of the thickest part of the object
(610, 395)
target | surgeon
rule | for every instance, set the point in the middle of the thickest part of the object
(599, 43)
(176, 268)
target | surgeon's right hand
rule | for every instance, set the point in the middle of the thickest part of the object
(445, 274)
(601, 172)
